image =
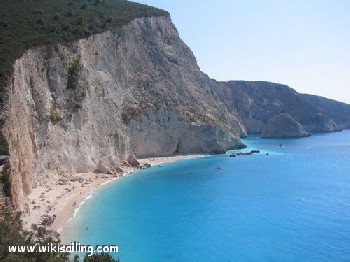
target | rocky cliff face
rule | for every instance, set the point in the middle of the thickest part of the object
(339, 112)
(95, 101)
(283, 126)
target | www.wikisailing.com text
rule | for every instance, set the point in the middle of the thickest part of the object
(74, 247)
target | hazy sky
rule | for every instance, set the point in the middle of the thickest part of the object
(302, 43)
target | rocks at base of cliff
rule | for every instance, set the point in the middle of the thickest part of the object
(102, 168)
(146, 165)
(119, 170)
(133, 161)
(283, 126)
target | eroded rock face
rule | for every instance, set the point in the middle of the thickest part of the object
(136, 91)
(283, 126)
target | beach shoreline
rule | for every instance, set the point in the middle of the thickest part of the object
(59, 200)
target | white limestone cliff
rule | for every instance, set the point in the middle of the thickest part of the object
(138, 91)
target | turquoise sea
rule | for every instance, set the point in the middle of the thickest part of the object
(290, 205)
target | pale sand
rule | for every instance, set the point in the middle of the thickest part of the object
(63, 197)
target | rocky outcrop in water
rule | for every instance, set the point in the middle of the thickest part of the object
(283, 126)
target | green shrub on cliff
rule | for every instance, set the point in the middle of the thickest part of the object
(73, 74)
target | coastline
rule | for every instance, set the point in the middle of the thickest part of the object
(61, 199)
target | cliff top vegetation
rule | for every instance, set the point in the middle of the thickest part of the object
(29, 23)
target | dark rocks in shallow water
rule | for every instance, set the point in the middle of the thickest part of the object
(283, 126)
(245, 153)
(146, 165)
(255, 151)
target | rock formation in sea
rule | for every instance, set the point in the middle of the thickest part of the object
(137, 91)
(283, 125)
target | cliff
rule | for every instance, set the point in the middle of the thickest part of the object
(283, 126)
(138, 90)
(339, 112)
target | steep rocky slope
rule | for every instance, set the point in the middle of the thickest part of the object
(93, 102)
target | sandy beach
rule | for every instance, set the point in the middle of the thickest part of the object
(59, 200)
